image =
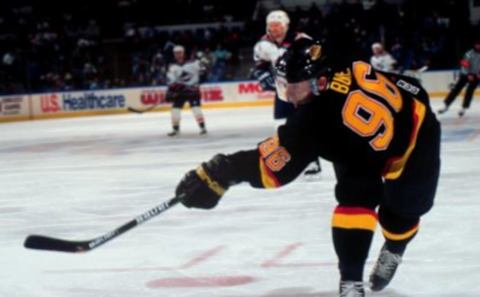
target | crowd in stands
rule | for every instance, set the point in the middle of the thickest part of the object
(47, 45)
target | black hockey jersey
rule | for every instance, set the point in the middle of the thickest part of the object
(365, 119)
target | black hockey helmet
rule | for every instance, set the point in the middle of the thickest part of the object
(298, 70)
(303, 60)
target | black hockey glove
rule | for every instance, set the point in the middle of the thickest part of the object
(265, 78)
(203, 187)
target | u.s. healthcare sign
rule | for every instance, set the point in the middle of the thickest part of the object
(78, 103)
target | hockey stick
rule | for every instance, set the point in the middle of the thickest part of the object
(39, 242)
(132, 109)
(415, 73)
(422, 69)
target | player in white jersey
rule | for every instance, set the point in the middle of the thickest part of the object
(266, 52)
(381, 59)
(183, 78)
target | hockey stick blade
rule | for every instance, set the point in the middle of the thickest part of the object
(39, 242)
(131, 109)
(46, 243)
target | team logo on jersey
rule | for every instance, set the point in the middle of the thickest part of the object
(185, 76)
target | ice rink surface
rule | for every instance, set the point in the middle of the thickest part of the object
(80, 178)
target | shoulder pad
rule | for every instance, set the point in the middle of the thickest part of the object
(265, 51)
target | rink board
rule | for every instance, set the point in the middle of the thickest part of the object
(116, 101)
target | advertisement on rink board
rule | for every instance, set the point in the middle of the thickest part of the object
(251, 90)
(210, 93)
(236, 91)
(215, 92)
(83, 103)
(74, 102)
(14, 107)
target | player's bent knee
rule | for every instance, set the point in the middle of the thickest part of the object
(397, 227)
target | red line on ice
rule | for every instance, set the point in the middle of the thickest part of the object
(200, 258)
(289, 249)
(192, 262)
(283, 254)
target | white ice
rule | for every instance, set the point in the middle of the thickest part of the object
(80, 178)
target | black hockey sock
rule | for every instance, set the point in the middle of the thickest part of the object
(397, 230)
(352, 231)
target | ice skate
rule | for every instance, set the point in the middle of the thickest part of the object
(351, 289)
(175, 132)
(203, 131)
(384, 269)
(443, 110)
(462, 112)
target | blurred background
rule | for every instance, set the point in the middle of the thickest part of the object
(51, 46)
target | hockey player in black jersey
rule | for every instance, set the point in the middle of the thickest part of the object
(266, 52)
(380, 134)
(469, 75)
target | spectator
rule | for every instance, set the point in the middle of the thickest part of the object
(220, 58)
(59, 38)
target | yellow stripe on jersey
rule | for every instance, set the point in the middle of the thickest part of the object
(396, 165)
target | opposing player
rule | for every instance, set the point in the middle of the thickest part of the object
(266, 53)
(183, 79)
(384, 142)
(381, 59)
(469, 75)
